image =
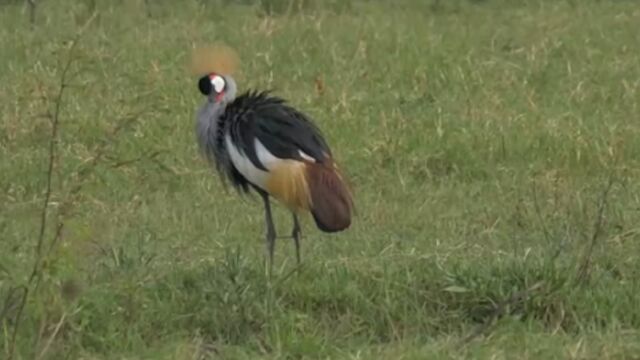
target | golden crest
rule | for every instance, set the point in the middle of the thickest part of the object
(217, 58)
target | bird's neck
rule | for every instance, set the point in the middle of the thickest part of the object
(210, 112)
(216, 107)
(208, 122)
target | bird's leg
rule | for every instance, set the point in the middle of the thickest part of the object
(295, 234)
(271, 231)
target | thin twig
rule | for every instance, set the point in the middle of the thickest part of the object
(55, 122)
(56, 237)
(55, 119)
(53, 335)
(597, 229)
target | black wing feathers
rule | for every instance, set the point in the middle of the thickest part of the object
(284, 131)
(281, 129)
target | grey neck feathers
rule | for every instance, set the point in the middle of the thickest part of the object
(207, 126)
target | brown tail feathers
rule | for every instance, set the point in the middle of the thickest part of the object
(331, 201)
(318, 188)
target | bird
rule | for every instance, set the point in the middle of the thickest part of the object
(260, 143)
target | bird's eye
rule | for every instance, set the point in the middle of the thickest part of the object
(218, 83)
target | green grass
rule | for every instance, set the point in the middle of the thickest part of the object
(479, 137)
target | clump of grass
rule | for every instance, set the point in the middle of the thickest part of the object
(234, 303)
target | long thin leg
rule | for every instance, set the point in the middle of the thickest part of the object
(271, 230)
(295, 234)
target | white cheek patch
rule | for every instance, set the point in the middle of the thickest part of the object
(218, 84)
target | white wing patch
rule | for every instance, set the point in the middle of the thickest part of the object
(306, 157)
(245, 166)
(265, 156)
(267, 159)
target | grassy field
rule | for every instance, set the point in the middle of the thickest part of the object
(493, 147)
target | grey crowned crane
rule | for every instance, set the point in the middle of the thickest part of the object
(256, 141)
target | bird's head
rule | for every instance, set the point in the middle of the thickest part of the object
(217, 87)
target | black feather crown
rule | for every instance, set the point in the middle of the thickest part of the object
(204, 85)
